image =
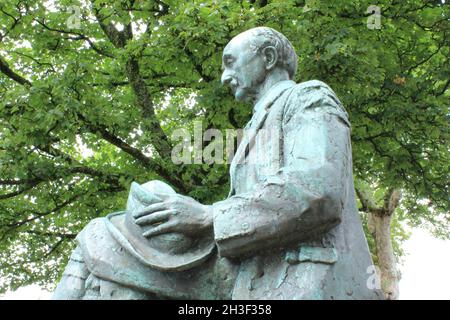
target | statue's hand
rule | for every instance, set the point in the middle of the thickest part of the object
(176, 213)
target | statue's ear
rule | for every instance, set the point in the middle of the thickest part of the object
(271, 56)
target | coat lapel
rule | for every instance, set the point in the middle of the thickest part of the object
(261, 111)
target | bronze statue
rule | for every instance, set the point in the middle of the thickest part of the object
(288, 230)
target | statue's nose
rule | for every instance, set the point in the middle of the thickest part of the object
(226, 78)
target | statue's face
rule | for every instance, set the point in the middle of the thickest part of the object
(243, 69)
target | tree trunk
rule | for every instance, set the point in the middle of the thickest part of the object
(380, 227)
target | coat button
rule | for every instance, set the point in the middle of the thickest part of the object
(245, 226)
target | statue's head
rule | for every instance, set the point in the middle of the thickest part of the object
(252, 57)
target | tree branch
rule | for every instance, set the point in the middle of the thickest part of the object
(37, 215)
(79, 167)
(20, 191)
(52, 234)
(197, 66)
(135, 153)
(6, 70)
(80, 36)
(391, 200)
(158, 138)
(366, 201)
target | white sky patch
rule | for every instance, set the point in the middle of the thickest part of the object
(134, 134)
(22, 44)
(119, 26)
(50, 6)
(138, 27)
(148, 152)
(191, 101)
(33, 292)
(32, 199)
(425, 271)
(83, 149)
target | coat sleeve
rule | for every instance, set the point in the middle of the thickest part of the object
(304, 198)
(72, 284)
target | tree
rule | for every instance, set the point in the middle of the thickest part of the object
(91, 92)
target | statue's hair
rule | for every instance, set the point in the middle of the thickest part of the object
(262, 37)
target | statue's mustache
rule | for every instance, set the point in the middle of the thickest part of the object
(234, 84)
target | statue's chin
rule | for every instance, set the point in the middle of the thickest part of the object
(241, 95)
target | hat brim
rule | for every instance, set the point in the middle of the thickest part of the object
(164, 261)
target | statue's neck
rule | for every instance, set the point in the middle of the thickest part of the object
(271, 80)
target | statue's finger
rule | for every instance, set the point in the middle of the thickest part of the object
(160, 229)
(159, 216)
(150, 209)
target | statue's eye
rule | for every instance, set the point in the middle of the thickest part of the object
(228, 62)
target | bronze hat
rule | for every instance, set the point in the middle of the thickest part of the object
(166, 252)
